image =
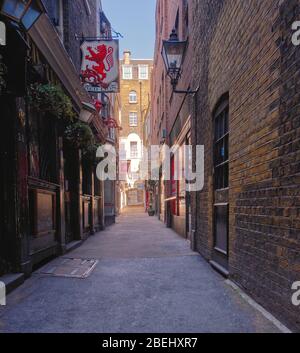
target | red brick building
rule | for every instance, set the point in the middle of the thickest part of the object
(246, 220)
(171, 113)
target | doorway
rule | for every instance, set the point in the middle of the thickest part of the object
(71, 181)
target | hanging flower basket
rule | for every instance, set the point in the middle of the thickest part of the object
(3, 72)
(80, 136)
(90, 152)
(51, 99)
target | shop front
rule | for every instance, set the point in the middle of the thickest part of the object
(178, 200)
(42, 206)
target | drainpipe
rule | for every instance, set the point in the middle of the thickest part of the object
(194, 231)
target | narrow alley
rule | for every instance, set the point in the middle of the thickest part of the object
(146, 280)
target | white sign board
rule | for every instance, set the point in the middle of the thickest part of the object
(100, 66)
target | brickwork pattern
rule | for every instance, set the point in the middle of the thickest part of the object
(246, 50)
(85, 26)
(142, 89)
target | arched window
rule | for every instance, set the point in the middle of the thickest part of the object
(132, 97)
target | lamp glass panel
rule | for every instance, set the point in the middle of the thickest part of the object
(14, 8)
(31, 15)
(165, 56)
(175, 52)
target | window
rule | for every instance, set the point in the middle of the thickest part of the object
(174, 189)
(58, 17)
(143, 72)
(133, 119)
(127, 72)
(122, 152)
(133, 149)
(221, 146)
(112, 134)
(132, 97)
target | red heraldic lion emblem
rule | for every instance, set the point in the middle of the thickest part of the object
(98, 65)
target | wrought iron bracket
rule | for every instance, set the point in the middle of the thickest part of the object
(186, 92)
(117, 35)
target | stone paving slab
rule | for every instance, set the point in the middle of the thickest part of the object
(147, 280)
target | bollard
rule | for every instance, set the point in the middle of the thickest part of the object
(2, 33)
(2, 294)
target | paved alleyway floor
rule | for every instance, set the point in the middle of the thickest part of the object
(146, 280)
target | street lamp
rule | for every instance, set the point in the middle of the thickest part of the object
(23, 12)
(173, 52)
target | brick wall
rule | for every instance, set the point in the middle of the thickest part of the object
(142, 89)
(167, 106)
(77, 21)
(244, 48)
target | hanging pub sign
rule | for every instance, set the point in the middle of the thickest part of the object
(100, 66)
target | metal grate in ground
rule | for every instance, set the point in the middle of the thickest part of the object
(68, 267)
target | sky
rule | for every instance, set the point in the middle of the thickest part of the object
(135, 20)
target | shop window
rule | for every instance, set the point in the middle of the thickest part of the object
(86, 177)
(174, 189)
(42, 152)
(97, 184)
(221, 146)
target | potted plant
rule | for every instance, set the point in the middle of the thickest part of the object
(51, 99)
(80, 135)
(151, 211)
(90, 152)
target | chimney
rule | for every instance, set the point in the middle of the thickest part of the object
(126, 57)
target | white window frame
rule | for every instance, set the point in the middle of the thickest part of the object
(112, 134)
(127, 75)
(144, 75)
(134, 153)
(132, 97)
(133, 119)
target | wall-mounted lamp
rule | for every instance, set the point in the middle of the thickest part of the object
(173, 52)
(23, 12)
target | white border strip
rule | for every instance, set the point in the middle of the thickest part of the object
(258, 307)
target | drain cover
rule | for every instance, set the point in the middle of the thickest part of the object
(73, 268)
